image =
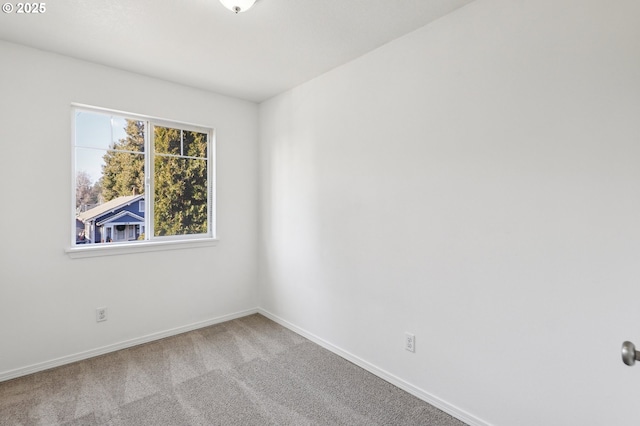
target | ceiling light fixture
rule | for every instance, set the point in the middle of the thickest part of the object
(237, 5)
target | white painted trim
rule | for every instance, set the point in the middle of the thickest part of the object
(149, 155)
(166, 121)
(34, 368)
(115, 248)
(448, 408)
(454, 411)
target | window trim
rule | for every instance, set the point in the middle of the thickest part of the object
(158, 243)
(118, 248)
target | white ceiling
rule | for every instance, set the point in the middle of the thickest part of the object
(254, 55)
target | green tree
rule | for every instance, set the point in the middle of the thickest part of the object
(180, 196)
(180, 176)
(123, 168)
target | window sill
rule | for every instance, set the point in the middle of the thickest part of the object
(114, 249)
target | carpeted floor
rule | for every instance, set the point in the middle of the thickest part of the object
(249, 371)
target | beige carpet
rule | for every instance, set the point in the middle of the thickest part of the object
(250, 371)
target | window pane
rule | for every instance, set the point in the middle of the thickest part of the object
(123, 174)
(89, 164)
(109, 176)
(103, 131)
(128, 134)
(195, 144)
(167, 140)
(93, 130)
(180, 196)
(112, 201)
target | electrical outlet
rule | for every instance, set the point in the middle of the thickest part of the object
(101, 314)
(410, 342)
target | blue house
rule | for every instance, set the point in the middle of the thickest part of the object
(121, 219)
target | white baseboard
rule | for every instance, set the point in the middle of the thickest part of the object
(450, 409)
(34, 368)
(417, 392)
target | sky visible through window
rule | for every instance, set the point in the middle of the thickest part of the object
(94, 135)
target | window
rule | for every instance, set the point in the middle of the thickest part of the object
(134, 174)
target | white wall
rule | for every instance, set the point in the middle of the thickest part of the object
(47, 300)
(477, 183)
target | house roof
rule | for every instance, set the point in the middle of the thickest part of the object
(114, 204)
(122, 217)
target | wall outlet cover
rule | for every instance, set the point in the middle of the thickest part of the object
(101, 314)
(410, 342)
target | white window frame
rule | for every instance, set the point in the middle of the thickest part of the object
(152, 243)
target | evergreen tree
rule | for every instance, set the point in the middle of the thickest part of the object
(123, 169)
(180, 197)
(180, 176)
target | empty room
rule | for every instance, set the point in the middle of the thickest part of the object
(307, 212)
